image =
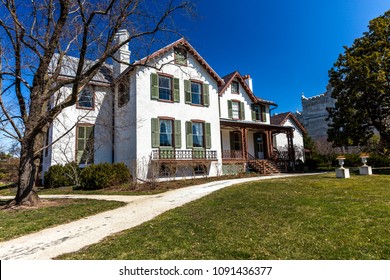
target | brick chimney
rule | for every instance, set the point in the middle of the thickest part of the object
(123, 54)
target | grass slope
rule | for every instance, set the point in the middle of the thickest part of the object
(312, 217)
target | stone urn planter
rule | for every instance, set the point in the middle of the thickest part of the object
(365, 169)
(342, 172)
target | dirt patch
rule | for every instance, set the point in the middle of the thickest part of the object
(43, 203)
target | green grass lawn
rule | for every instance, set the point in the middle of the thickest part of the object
(312, 217)
(129, 189)
(15, 223)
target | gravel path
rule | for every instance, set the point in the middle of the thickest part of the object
(52, 242)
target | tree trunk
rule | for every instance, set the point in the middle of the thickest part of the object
(27, 175)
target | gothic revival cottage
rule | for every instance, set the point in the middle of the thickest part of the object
(169, 114)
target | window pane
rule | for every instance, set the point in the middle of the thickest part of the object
(235, 110)
(196, 97)
(165, 133)
(165, 91)
(234, 87)
(257, 111)
(86, 98)
(197, 132)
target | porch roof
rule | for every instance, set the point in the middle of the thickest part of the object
(254, 125)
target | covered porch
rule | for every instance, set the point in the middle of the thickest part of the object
(252, 143)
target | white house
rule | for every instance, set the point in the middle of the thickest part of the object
(246, 130)
(166, 116)
(169, 114)
(280, 140)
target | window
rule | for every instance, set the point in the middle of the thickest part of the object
(235, 141)
(86, 98)
(164, 87)
(236, 110)
(196, 93)
(123, 94)
(166, 133)
(85, 144)
(259, 113)
(234, 87)
(200, 169)
(180, 56)
(198, 135)
(167, 170)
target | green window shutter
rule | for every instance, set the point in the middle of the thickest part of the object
(208, 135)
(155, 133)
(206, 97)
(85, 144)
(242, 111)
(176, 90)
(154, 92)
(263, 113)
(80, 143)
(230, 110)
(190, 140)
(187, 91)
(253, 112)
(177, 134)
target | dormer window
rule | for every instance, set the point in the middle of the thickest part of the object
(234, 87)
(180, 56)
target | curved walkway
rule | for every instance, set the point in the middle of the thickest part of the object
(66, 238)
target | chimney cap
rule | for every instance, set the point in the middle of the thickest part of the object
(246, 77)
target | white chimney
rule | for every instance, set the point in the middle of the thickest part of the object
(248, 81)
(123, 54)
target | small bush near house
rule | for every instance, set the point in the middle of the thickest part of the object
(102, 175)
(61, 175)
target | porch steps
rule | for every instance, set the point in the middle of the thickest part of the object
(264, 166)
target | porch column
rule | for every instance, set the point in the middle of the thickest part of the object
(268, 135)
(244, 141)
(291, 152)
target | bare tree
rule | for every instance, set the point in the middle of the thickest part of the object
(38, 37)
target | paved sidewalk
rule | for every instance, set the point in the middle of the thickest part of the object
(52, 242)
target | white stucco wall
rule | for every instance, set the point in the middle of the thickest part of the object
(146, 108)
(63, 130)
(242, 97)
(280, 140)
(126, 124)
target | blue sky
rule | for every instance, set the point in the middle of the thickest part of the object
(286, 46)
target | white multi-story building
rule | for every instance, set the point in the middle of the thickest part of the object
(169, 114)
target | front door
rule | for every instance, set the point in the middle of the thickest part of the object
(259, 145)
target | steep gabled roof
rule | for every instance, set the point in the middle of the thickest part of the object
(280, 119)
(179, 43)
(69, 66)
(228, 79)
